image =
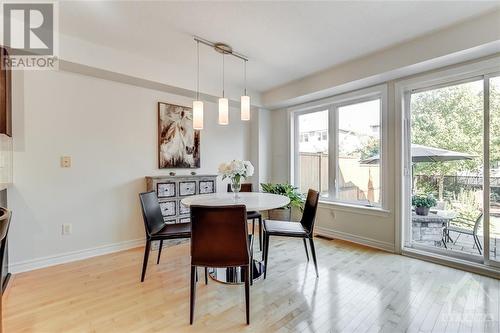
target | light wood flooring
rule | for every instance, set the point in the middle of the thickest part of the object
(359, 290)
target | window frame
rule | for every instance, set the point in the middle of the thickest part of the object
(332, 104)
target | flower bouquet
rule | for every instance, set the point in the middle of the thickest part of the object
(236, 170)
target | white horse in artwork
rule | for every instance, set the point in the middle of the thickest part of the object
(177, 144)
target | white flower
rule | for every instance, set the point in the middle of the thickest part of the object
(222, 168)
(236, 168)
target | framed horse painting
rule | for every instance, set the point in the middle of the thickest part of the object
(178, 142)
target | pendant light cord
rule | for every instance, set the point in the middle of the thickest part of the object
(245, 77)
(223, 75)
(198, 71)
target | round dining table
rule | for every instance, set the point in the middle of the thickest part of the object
(253, 201)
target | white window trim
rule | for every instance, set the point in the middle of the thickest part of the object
(331, 104)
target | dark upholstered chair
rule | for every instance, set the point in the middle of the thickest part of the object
(251, 215)
(156, 228)
(5, 216)
(220, 238)
(303, 230)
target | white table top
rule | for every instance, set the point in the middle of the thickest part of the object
(252, 200)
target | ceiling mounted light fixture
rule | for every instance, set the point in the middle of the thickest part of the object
(223, 101)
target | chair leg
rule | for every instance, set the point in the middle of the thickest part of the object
(261, 236)
(266, 253)
(476, 241)
(305, 247)
(192, 295)
(313, 252)
(159, 252)
(443, 239)
(479, 243)
(145, 260)
(253, 226)
(247, 292)
(250, 267)
(206, 275)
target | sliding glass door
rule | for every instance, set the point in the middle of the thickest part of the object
(453, 168)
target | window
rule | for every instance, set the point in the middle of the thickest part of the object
(354, 155)
(312, 156)
(358, 147)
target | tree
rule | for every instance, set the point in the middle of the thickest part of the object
(452, 118)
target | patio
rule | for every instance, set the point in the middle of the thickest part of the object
(430, 234)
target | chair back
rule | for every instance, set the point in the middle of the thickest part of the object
(477, 223)
(245, 187)
(219, 236)
(5, 216)
(151, 212)
(310, 207)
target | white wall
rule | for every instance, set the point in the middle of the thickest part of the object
(110, 131)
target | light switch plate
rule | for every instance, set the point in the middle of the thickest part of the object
(65, 161)
(67, 229)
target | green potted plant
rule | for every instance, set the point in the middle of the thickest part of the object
(290, 191)
(423, 203)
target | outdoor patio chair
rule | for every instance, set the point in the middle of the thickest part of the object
(469, 227)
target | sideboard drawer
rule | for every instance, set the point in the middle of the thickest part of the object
(207, 186)
(187, 188)
(168, 208)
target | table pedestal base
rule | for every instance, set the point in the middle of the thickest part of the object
(232, 275)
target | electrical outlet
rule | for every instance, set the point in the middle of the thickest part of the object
(66, 229)
(65, 161)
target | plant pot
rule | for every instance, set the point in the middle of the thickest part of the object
(280, 214)
(424, 211)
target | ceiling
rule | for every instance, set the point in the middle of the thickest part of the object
(283, 40)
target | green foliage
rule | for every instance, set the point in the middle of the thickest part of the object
(452, 118)
(466, 204)
(292, 192)
(369, 149)
(421, 200)
(426, 186)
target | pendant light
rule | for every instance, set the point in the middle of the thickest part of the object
(197, 104)
(223, 102)
(245, 100)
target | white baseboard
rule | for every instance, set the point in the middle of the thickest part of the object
(385, 246)
(29, 265)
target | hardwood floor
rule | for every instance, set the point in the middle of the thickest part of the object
(359, 290)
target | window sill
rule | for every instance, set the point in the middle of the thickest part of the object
(351, 208)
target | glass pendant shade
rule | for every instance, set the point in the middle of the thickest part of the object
(197, 115)
(245, 107)
(223, 111)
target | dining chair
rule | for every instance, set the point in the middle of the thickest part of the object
(463, 226)
(251, 215)
(157, 229)
(219, 238)
(304, 229)
(5, 216)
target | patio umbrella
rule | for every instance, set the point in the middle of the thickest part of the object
(420, 153)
